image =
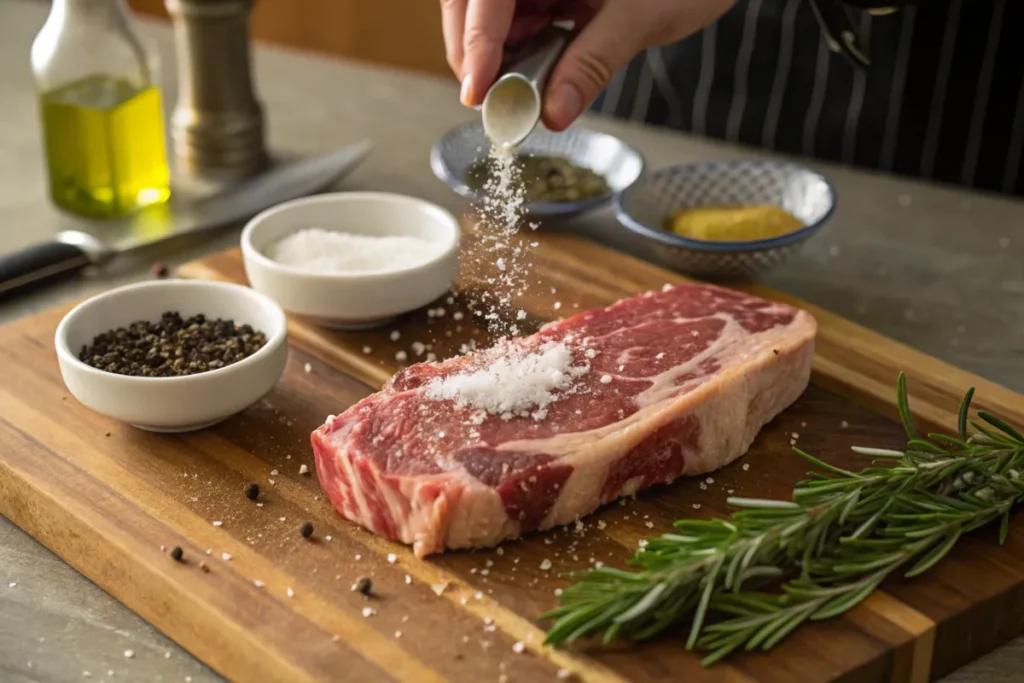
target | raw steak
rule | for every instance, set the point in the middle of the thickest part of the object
(679, 381)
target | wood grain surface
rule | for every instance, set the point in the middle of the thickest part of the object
(106, 497)
(399, 33)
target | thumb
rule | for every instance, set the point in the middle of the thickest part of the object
(604, 46)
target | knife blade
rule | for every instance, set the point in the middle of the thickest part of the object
(95, 243)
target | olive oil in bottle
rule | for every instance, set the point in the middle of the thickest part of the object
(100, 108)
(105, 146)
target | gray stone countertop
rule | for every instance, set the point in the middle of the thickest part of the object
(936, 267)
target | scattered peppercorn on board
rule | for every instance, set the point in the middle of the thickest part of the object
(273, 587)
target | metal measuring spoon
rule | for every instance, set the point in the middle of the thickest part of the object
(512, 106)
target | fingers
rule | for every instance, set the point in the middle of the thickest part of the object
(453, 23)
(605, 45)
(486, 27)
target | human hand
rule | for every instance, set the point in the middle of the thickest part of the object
(609, 34)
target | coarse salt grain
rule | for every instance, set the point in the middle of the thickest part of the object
(303, 469)
(401, 356)
(545, 565)
(392, 558)
(327, 251)
(367, 350)
(225, 556)
(218, 523)
(289, 592)
(746, 466)
(128, 654)
(519, 647)
(307, 367)
(369, 611)
(258, 583)
(396, 335)
(606, 379)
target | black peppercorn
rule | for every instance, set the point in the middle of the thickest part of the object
(306, 529)
(176, 553)
(363, 585)
(173, 346)
(252, 491)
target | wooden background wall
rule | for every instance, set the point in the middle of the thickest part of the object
(399, 33)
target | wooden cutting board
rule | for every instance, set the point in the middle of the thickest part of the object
(107, 498)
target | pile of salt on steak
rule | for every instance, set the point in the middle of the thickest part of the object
(539, 431)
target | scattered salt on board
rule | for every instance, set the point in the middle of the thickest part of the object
(333, 252)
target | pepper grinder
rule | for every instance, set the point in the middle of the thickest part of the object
(217, 124)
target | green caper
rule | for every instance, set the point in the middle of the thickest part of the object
(547, 178)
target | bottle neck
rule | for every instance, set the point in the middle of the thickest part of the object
(109, 12)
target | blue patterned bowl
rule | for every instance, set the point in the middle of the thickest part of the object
(460, 148)
(646, 206)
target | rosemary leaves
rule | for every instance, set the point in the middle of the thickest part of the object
(838, 538)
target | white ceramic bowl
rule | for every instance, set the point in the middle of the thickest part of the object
(356, 300)
(172, 404)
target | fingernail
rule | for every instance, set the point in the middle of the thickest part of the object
(567, 103)
(464, 94)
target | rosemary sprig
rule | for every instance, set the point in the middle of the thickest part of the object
(841, 535)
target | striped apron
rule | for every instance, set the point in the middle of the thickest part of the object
(943, 97)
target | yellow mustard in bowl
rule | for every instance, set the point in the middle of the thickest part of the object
(733, 223)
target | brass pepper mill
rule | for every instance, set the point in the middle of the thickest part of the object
(217, 124)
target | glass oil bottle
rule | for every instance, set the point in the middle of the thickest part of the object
(101, 111)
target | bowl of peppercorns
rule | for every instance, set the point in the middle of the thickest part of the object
(172, 355)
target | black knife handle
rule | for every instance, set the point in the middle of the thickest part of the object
(39, 264)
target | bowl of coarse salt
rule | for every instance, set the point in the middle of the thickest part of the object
(352, 260)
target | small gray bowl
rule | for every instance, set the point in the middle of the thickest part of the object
(456, 152)
(645, 207)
